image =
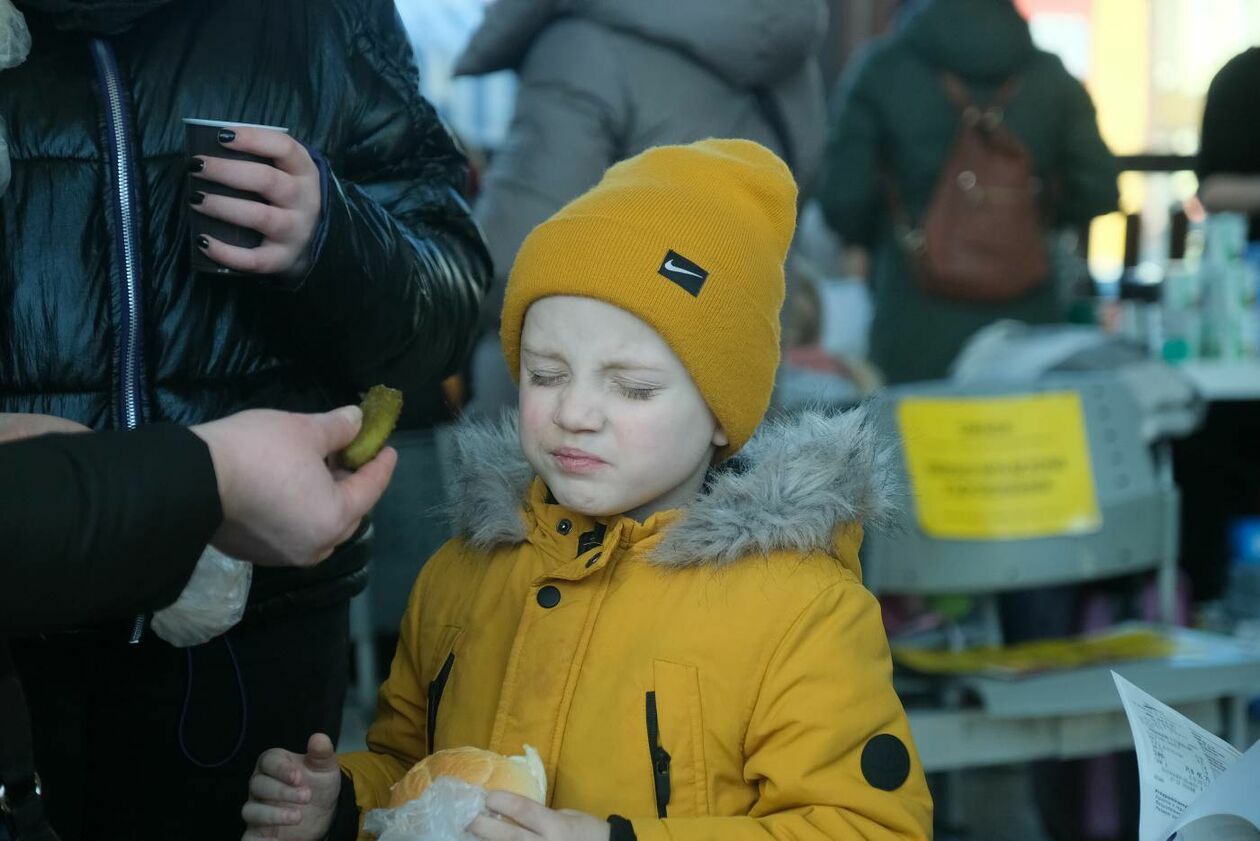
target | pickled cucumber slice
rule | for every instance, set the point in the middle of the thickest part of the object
(381, 407)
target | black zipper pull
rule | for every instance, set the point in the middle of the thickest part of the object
(660, 758)
(592, 539)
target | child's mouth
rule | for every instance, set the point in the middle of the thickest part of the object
(572, 460)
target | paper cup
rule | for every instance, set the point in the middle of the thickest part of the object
(201, 137)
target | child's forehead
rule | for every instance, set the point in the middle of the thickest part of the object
(573, 327)
(560, 316)
(604, 355)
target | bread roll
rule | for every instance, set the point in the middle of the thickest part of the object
(523, 775)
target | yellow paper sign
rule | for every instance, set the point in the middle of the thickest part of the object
(1000, 468)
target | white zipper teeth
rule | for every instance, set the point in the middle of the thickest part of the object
(137, 629)
(123, 180)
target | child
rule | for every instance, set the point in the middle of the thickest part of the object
(683, 635)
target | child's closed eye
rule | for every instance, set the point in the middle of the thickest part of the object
(637, 391)
(545, 378)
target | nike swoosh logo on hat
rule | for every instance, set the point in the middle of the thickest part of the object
(670, 267)
(685, 273)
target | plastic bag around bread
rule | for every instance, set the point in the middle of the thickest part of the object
(441, 795)
(442, 813)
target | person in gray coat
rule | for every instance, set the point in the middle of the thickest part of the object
(602, 80)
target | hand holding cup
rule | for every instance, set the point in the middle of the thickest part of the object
(261, 180)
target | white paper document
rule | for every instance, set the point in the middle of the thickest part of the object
(1194, 786)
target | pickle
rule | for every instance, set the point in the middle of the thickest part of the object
(381, 407)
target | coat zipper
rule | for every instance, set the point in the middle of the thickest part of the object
(118, 131)
(436, 687)
(128, 353)
(660, 758)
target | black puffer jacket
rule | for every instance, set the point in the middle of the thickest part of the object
(101, 319)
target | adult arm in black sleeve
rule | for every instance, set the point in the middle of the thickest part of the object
(101, 526)
(1231, 128)
(1229, 144)
(398, 267)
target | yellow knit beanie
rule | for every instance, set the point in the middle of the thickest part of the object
(690, 239)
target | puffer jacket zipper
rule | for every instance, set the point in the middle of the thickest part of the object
(121, 170)
(660, 758)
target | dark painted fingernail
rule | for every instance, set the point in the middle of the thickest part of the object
(226, 135)
(196, 164)
(203, 242)
(197, 197)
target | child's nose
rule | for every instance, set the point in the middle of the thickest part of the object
(579, 410)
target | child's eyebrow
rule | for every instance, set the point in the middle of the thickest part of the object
(529, 351)
(626, 365)
(613, 365)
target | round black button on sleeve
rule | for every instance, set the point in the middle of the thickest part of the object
(564, 526)
(549, 596)
(885, 762)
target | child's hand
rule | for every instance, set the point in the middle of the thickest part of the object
(536, 821)
(292, 796)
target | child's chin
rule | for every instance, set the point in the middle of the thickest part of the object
(581, 502)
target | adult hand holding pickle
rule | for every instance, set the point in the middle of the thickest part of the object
(287, 214)
(295, 511)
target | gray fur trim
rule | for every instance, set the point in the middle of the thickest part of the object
(492, 478)
(802, 477)
(806, 475)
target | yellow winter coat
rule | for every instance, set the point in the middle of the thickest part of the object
(717, 672)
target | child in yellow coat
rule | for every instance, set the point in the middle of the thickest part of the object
(666, 606)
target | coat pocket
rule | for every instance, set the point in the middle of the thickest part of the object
(437, 686)
(675, 732)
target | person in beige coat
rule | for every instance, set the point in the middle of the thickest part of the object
(602, 80)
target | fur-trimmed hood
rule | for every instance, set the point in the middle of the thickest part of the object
(790, 488)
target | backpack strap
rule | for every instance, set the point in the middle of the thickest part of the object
(909, 235)
(1006, 92)
(957, 91)
(991, 113)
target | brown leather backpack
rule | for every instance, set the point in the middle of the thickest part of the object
(982, 236)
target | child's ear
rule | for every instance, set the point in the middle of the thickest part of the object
(719, 437)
